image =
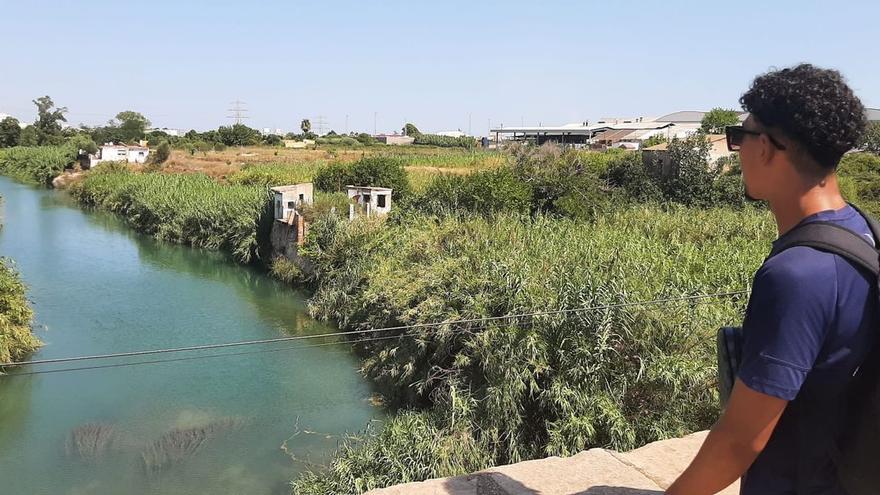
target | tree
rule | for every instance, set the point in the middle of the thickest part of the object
(306, 126)
(692, 179)
(871, 139)
(163, 152)
(717, 119)
(10, 132)
(132, 125)
(29, 136)
(238, 135)
(49, 116)
(411, 130)
(654, 140)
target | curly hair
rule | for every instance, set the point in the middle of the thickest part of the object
(813, 107)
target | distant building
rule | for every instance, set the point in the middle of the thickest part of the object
(395, 139)
(615, 132)
(369, 201)
(453, 134)
(110, 152)
(166, 130)
(873, 114)
(657, 157)
(293, 143)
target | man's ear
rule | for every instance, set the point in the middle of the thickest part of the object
(768, 150)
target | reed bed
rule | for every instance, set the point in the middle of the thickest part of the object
(36, 165)
(186, 209)
(617, 377)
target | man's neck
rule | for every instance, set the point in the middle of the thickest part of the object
(789, 211)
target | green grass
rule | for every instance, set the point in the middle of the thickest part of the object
(276, 174)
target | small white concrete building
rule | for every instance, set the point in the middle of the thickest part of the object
(120, 153)
(369, 201)
(288, 199)
(395, 139)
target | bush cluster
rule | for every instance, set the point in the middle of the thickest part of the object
(376, 171)
(617, 377)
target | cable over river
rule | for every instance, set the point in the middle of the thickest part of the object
(181, 427)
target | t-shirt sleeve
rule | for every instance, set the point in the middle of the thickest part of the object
(791, 306)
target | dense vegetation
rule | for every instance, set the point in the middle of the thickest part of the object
(548, 385)
(187, 209)
(368, 171)
(36, 165)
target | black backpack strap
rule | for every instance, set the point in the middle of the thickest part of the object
(832, 238)
(872, 223)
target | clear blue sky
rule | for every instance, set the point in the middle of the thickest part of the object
(181, 63)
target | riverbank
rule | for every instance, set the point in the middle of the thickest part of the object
(17, 340)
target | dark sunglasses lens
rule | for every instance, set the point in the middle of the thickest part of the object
(734, 138)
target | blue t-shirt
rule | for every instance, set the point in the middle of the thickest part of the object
(810, 321)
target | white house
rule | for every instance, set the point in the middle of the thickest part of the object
(110, 152)
(288, 199)
(369, 201)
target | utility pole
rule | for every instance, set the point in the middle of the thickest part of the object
(469, 124)
(238, 111)
(346, 124)
(375, 114)
(320, 122)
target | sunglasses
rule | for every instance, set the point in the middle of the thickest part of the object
(737, 133)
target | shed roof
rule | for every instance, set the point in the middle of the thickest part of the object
(370, 188)
(293, 187)
(710, 138)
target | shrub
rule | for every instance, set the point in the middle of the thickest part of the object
(365, 139)
(562, 181)
(163, 152)
(630, 175)
(692, 179)
(445, 141)
(485, 193)
(376, 171)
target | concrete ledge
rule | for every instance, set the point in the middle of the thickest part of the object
(645, 471)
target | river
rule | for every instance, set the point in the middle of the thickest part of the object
(98, 287)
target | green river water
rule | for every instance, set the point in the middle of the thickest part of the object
(98, 287)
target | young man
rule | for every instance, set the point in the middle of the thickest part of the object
(811, 317)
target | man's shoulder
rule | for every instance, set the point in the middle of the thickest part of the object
(796, 266)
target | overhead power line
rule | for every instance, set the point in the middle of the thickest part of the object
(237, 112)
(373, 330)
